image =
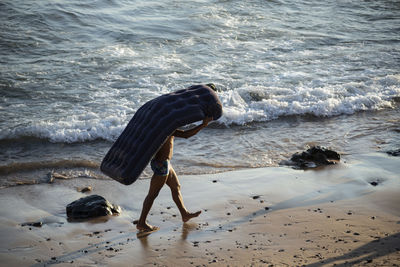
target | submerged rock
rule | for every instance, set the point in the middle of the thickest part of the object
(90, 207)
(314, 157)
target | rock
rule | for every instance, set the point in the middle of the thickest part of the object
(374, 183)
(85, 189)
(35, 224)
(90, 207)
(314, 157)
(395, 153)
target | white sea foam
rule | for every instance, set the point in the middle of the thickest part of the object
(72, 129)
(262, 103)
(241, 106)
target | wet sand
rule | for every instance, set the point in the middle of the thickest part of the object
(343, 215)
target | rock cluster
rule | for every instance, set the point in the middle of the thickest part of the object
(314, 157)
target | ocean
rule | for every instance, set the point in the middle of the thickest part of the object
(290, 75)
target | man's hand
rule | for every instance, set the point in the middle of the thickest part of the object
(206, 121)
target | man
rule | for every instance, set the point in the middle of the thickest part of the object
(165, 174)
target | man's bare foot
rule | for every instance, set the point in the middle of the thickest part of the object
(146, 227)
(189, 216)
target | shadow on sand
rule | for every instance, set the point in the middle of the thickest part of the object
(366, 253)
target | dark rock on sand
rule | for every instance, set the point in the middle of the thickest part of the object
(91, 207)
(314, 157)
(35, 224)
(395, 153)
(376, 181)
(85, 189)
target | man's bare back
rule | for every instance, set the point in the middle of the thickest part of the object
(166, 150)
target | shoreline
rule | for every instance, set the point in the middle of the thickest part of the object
(256, 145)
(273, 215)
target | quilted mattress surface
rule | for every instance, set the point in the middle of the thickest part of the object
(152, 124)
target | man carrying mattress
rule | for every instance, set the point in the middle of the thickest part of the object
(165, 174)
(149, 138)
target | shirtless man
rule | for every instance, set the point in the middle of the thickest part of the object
(165, 174)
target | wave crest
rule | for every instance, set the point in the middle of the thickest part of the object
(241, 106)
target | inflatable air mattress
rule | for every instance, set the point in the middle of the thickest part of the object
(152, 124)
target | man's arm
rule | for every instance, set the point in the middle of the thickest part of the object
(193, 131)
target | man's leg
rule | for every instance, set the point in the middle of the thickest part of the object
(156, 184)
(173, 183)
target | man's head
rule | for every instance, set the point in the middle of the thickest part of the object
(214, 109)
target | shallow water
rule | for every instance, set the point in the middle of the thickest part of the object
(290, 74)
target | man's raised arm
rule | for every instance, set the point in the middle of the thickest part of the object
(193, 131)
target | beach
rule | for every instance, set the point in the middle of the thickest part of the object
(345, 215)
(290, 75)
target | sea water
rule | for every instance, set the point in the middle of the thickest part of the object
(290, 74)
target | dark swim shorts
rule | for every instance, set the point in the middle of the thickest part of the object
(160, 168)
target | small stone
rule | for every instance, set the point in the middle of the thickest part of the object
(85, 189)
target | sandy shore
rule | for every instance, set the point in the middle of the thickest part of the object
(343, 215)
